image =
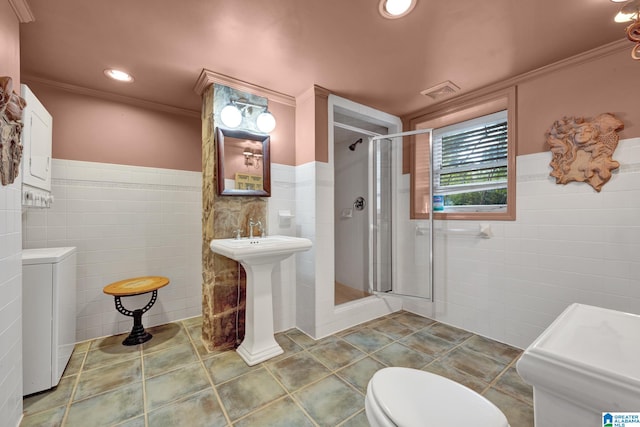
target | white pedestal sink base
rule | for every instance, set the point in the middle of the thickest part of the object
(253, 358)
(258, 257)
(259, 344)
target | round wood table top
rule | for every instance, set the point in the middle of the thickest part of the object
(136, 286)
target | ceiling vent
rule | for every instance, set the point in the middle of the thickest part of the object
(441, 90)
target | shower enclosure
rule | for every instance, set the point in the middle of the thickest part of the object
(378, 247)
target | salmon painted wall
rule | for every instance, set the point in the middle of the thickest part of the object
(283, 137)
(604, 84)
(99, 130)
(312, 118)
(608, 84)
(9, 45)
(91, 129)
(305, 125)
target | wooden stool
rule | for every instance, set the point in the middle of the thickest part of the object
(136, 286)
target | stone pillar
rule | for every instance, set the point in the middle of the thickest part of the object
(223, 310)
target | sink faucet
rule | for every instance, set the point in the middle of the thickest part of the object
(253, 224)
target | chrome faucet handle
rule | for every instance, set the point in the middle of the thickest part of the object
(251, 224)
(261, 228)
(237, 234)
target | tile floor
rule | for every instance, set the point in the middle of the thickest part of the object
(172, 380)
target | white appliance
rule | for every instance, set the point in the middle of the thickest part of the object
(37, 137)
(583, 365)
(48, 315)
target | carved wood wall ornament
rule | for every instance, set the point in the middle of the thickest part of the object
(582, 149)
(11, 106)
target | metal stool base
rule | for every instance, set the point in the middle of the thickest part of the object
(137, 335)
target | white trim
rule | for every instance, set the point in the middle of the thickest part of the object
(208, 77)
(22, 10)
(330, 318)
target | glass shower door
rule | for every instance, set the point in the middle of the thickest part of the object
(401, 243)
(381, 215)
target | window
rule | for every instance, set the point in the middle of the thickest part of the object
(474, 153)
(470, 164)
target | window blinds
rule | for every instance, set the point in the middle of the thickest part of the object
(471, 156)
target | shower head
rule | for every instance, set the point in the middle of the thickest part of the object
(352, 147)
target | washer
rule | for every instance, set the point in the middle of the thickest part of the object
(48, 315)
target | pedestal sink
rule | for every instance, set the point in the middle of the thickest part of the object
(258, 256)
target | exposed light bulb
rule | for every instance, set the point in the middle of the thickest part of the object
(266, 122)
(231, 116)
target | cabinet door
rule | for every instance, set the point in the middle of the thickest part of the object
(37, 300)
(37, 140)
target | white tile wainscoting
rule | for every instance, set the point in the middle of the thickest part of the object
(10, 304)
(129, 221)
(126, 221)
(568, 244)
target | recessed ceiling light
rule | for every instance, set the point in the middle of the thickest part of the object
(393, 9)
(119, 75)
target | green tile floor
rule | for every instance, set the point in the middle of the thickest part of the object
(172, 380)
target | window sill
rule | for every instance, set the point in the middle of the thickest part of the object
(476, 215)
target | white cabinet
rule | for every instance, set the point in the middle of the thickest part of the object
(37, 136)
(48, 315)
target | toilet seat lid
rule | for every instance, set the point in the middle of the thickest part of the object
(409, 397)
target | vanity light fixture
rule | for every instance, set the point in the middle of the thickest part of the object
(248, 155)
(256, 159)
(393, 9)
(233, 114)
(266, 122)
(119, 75)
(252, 158)
(630, 12)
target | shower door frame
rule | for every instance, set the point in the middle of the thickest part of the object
(372, 138)
(391, 137)
(370, 192)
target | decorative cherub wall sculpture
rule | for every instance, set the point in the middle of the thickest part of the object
(11, 106)
(583, 149)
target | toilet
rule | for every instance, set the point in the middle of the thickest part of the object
(584, 366)
(408, 397)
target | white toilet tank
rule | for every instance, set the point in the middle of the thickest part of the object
(586, 363)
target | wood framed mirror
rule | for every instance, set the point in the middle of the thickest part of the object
(244, 164)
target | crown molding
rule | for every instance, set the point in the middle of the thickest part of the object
(590, 55)
(22, 11)
(111, 96)
(208, 77)
(313, 92)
